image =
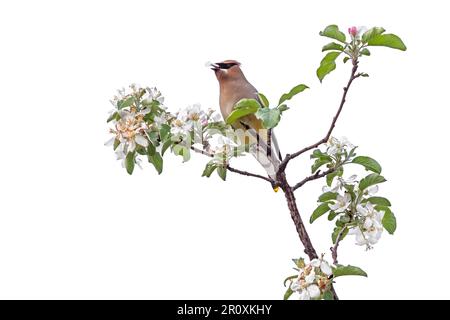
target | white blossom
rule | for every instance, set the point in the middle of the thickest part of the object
(339, 183)
(187, 118)
(155, 95)
(313, 279)
(130, 130)
(372, 190)
(121, 155)
(324, 266)
(159, 120)
(213, 116)
(335, 146)
(369, 231)
(221, 144)
(361, 30)
(310, 292)
(341, 203)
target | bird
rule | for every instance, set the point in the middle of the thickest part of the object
(234, 86)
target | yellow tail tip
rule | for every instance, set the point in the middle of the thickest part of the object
(276, 189)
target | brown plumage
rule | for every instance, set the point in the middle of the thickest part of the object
(234, 86)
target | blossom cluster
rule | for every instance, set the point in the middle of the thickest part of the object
(352, 201)
(361, 217)
(336, 147)
(201, 129)
(130, 116)
(313, 280)
(142, 125)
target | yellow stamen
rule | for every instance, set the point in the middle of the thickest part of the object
(276, 189)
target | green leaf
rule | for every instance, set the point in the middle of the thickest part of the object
(332, 46)
(346, 59)
(332, 215)
(328, 196)
(389, 221)
(294, 91)
(338, 172)
(320, 210)
(368, 163)
(140, 150)
(327, 295)
(114, 116)
(243, 108)
(222, 172)
(379, 201)
(300, 262)
(350, 190)
(125, 102)
(157, 162)
(332, 31)
(337, 230)
(264, 101)
(153, 137)
(270, 117)
(318, 163)
(209, 169)
(318, 154)
(116, 144)
(129, 162)
(349, 270)
(387, 40)
(166, 146)
(365, 52)
(183, 151)
(370, 180)
(288, 293)
(339, 224)
(164, 131)
(352, 152)
(186, 154)
(371, 33)
(151, 149)
(282, 108)
(327, 64)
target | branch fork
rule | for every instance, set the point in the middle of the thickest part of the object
(288, 190)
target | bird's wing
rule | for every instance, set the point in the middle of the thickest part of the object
(276, 146)
(257, 139)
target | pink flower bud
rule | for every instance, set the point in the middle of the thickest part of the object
(353, 31)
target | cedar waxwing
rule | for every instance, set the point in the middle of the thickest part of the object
(234, 87)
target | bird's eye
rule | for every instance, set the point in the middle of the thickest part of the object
(223, 65)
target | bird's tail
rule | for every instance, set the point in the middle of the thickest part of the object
(267, 152)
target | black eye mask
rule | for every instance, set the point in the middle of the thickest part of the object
(223, 65)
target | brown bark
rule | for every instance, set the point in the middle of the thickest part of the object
(298, 222)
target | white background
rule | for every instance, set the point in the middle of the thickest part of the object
(73, 224)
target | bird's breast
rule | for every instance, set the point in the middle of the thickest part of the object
(231, 93)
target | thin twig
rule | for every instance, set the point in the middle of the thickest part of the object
(244, 173)
(289, 157)
(249, 174)
(315, 176)
(334, 249)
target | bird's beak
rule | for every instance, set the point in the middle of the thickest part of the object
(213, 66)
